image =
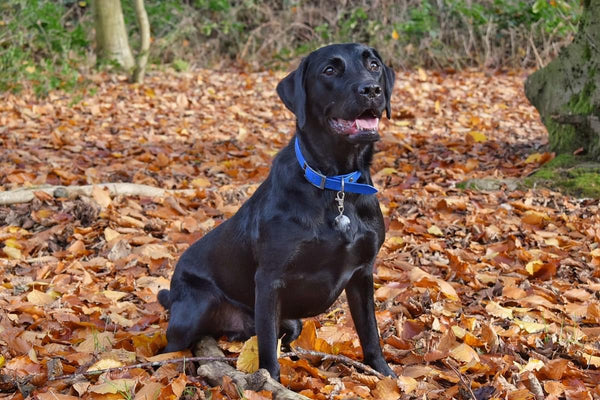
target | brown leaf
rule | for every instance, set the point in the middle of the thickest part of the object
(386, 389)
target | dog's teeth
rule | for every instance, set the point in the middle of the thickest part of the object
(367, 124)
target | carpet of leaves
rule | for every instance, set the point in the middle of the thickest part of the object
(480, 294)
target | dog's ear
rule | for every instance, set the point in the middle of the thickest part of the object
(291, 91)
(388, 76)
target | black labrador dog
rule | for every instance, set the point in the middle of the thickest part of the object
(312, 228)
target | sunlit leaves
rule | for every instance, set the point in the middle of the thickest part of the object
(481, 284)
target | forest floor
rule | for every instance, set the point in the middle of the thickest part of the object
(480, 294)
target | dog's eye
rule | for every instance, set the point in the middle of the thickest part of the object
(374, 66)
(329, 70)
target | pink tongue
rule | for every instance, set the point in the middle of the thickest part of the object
(367, 124)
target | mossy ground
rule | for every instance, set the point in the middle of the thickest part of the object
(573, 175)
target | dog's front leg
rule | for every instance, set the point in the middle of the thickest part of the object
(359, 292)
(266, 319)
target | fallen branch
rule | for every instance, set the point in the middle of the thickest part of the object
(215, 367)
(150, 364)
(299, 352)
(24, 195)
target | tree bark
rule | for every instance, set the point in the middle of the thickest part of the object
(111, 36)
(566, 92)
(142, 58)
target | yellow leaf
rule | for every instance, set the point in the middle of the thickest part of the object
(33, 356)
(434, 230)
(82, 3)
(534, 158)
(530, 327)
(497, 310)
(387, 171)
(110, 234)
(200, 182)
(532, 365)
(115, 386)
(2, 361)
(105, 364)
(30, 69)
(13, 243)
(113, 294)
(394, 242)
(458, 331)
(384, 210)
(12, 252)
(155, 251)
(407, 384)
(422, 74)
(465, 353)
(248, 359)
(395, 35)
(591, 360)
(477, 136)
(39, 298)
(447, 289)
(533, 266)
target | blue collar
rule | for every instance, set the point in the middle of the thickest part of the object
(332, 182)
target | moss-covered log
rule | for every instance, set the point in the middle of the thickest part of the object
(566, 92)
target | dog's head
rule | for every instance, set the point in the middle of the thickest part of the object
(342, 89)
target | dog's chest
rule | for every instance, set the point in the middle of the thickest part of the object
(324, 264)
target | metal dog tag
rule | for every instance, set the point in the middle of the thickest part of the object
(342, 222)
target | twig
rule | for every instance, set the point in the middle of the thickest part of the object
(298, 351)
(143, 365)
(462, 379)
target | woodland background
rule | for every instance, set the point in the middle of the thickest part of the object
(487, 285)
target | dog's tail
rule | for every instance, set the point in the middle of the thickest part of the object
(164, 298)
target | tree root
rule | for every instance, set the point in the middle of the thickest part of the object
(24, 195)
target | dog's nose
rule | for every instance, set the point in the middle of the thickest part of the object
(370, 90)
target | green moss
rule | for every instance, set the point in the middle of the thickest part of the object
(585, 183)
(547, 174)
(563, 138)
(563, 161)
(569, 174)
(580, 103)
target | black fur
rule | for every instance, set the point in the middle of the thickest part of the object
(280, 257)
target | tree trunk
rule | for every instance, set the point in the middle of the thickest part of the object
(566, 92)
(142, 58)
(111, 35)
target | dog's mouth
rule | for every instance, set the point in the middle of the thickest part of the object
(363, 128)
